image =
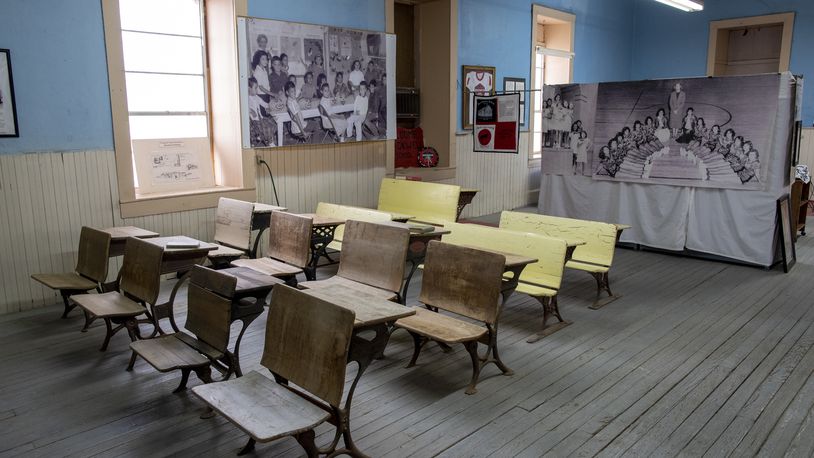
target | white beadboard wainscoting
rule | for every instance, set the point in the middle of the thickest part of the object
(505, 180)
(45, 198)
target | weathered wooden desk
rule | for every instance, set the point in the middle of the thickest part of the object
(176, 260)
(250, 284)
(120, 234)
(322, 233)
(417, 251)
(261, 220)
(515, 263)
(372, 314)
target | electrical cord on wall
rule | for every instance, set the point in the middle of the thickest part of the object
(273, 187)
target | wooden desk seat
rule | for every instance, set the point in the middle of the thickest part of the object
(139, 283)
(467, 282)
(306, 344)
(210, 299)
(443, 328)
(347, 212)
(90, 272)
(373, 255)
(432, 203)
(362, 288)
(233, 231)
(540, 280)
(288, 248)
(595, 257)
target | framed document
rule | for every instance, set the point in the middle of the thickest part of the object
(787, 229)
(8, 106)
(477, 80)
(167, 165)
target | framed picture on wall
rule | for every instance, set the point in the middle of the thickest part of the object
(477, 80)
(8, 106)
(517, 86)
(787, 229)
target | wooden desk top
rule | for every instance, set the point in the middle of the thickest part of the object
(621, 227)
(370, 310)
(470, 190)
(119, 233)
(435, 232)
(249, 281)
(266, 208)
(323, 221)
(512, 260)
(163, 241)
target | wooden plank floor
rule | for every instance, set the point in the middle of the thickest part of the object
(697, 358)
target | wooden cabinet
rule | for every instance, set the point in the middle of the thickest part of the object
(800, 194)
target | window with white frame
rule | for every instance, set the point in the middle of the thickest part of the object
(164, 51)
(173, 75)
(552, 63)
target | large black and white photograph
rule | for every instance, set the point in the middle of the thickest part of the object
(568, 127)
(8, 109)
(707, 132)
(315, 84)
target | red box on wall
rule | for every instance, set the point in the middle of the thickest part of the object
(408, 143)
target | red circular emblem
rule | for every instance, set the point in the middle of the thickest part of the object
(484, 136)
(428, 157)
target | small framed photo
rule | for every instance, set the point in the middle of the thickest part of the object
(8, 106)
(513, 85)
(477, 80)
(787, 231)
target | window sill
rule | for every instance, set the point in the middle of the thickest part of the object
(171, 202)
(535, 163)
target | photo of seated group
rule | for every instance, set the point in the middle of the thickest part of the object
(707, 132)
(312, 84)
(711, 132)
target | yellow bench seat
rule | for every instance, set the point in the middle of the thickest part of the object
(587, 267)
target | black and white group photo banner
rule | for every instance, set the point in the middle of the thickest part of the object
(315, 84)
(705, 132)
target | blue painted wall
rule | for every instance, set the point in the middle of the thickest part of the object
(60, 75)
(498, 33)
(357, 14)
(672, 43)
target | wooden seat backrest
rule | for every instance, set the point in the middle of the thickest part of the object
(233, 223)
(428, 202)
(374, 254)
(307, 341)
(209, 301)
(549, 252)
(599, 237)
(290, 238)
(94, 250)
(141, 270)
(462, 280)
(346, 212)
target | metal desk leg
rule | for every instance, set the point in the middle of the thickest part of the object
(362, 351)
(413, 267)
(165, 310)
(256, 246)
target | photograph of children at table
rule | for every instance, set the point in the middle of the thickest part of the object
(313, 84)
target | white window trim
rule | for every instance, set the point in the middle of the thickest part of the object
(234, 170)
(539, 10)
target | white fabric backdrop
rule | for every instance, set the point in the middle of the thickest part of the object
(735, 224)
